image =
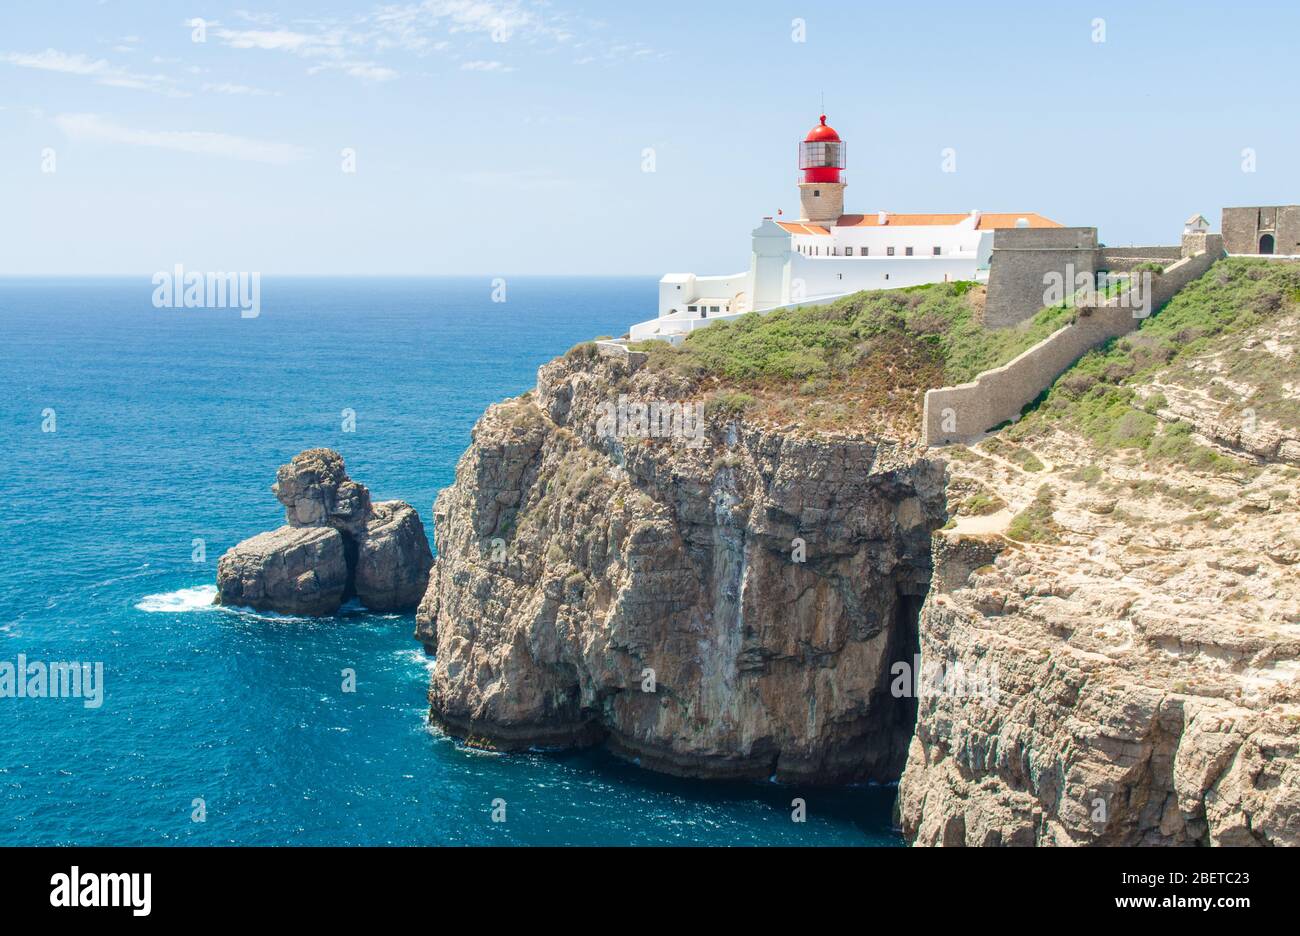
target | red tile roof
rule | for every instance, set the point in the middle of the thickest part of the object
(989, 221)
(794, 227)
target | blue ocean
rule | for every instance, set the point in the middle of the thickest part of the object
(138, 444)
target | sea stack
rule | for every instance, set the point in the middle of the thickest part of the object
(336, 546)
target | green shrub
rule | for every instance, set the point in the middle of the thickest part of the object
(585, 351)
(727, 404)
(1035, 523)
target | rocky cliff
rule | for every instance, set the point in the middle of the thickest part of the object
(1128, 567)
(1084, 630)
(1144, 666)
(726, 604)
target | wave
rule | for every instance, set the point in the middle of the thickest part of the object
(417, 658)
(198, 598)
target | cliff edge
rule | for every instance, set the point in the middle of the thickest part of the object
(724, 601)
(1082, 630)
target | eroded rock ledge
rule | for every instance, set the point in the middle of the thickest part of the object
(336, 545)
(728, 609)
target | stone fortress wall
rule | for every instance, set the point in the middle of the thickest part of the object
(1022, 257)
(1124, 259)
(966, 411)
(1245, 228)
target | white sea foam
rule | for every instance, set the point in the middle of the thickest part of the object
(417, 657)
(198, 598)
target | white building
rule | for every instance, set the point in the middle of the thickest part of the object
(828, 254)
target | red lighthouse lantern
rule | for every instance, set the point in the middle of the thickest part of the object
(821, 154)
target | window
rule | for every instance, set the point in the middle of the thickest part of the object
(848, 251)
(817, 193)
(938, 251)
(890, 252)
(865, 250)
(713, 308)
(909, 251)
(828, 154)
(887, 275)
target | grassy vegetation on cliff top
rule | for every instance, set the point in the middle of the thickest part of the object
(1098, 397)
(862, 361)
(866, 361)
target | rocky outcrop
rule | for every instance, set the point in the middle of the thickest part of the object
(393, 559)
(1142, 663)
(316, 491)
(727, 605)
(336, 545)
(1240, 399)
(289, 570)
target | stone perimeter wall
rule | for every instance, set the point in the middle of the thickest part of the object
(1124, 259)
(998, 395)
(1022, 257)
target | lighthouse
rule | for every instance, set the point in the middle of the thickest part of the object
(828, 254)
(821, 159)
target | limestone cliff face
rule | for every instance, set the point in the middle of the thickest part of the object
(725, 608)
(1144, 627)
(1145, 664)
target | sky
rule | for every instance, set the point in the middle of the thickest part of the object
(578, 137)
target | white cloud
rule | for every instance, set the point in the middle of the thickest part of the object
(53, 60)
(329, 47)
(486, 66)
(281, 39)
(92, 128)
(226, 87)
(369, 71)
(457, 28)
(100, 70)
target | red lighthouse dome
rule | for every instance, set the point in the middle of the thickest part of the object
(821, 154)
